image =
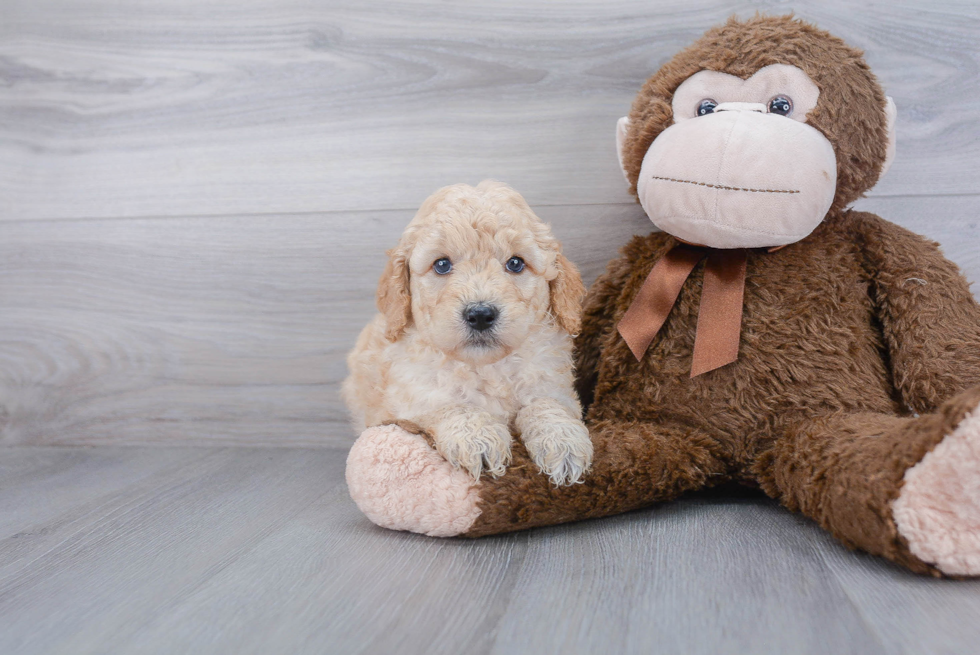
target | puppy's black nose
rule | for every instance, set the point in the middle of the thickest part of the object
(480, 316)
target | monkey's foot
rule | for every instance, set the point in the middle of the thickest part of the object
(400, 483)
(938, 509)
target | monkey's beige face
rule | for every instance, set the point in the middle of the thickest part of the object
(740, 167)
(478, 284)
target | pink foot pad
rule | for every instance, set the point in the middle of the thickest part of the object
(938, 509)
(400, 483)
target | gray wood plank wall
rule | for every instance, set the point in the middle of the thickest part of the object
(195, 197)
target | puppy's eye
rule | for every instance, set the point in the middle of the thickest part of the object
(442, 265)
(515, 264)
(781, 105)
(706, 107)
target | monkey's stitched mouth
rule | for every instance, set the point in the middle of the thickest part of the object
(723, 187)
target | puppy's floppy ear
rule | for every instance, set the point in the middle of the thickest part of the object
(394, 298)
(567, 292)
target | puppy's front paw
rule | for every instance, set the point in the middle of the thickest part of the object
(561, 448)
(475, 443)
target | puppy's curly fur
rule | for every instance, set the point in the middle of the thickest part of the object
(421, 360)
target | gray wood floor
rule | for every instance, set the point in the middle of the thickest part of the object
(195, 201)
(259, 550)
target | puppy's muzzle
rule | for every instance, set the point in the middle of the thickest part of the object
(481, 316)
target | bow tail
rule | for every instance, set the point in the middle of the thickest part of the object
(653, 302)
(720, 314)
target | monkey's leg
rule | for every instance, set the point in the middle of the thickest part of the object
(907, 489)
(401, 483)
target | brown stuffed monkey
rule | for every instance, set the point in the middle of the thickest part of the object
(768, 335)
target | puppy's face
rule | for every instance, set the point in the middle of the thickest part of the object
(481, 270)
(477, 285)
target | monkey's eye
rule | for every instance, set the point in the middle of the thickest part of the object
(781, 105)
(706, 107)
(442, 265)
(515, 264)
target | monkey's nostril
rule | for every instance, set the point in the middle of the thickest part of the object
(480, 316)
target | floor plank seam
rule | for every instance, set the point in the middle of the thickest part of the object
(376, 210)
(96, 506)
(851, 600)
(229, 559)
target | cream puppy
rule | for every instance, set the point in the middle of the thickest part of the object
(473, 342)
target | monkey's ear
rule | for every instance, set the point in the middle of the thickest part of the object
(394, 298)
(567, 292)
(891, 112)
(622, 126)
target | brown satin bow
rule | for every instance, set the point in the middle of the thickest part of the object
(720, 313)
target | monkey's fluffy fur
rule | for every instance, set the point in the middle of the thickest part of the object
(854, 399)
(418, 361)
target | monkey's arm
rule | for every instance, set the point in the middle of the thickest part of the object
(597, 320)
(929, 318)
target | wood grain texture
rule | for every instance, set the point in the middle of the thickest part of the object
(272, 151)
(40, 487)
(195, 201)
(205, 330)
(97, 573)
(234, 330)
(896, 605)
(181, 108)
(261, 551)
(708, 574)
